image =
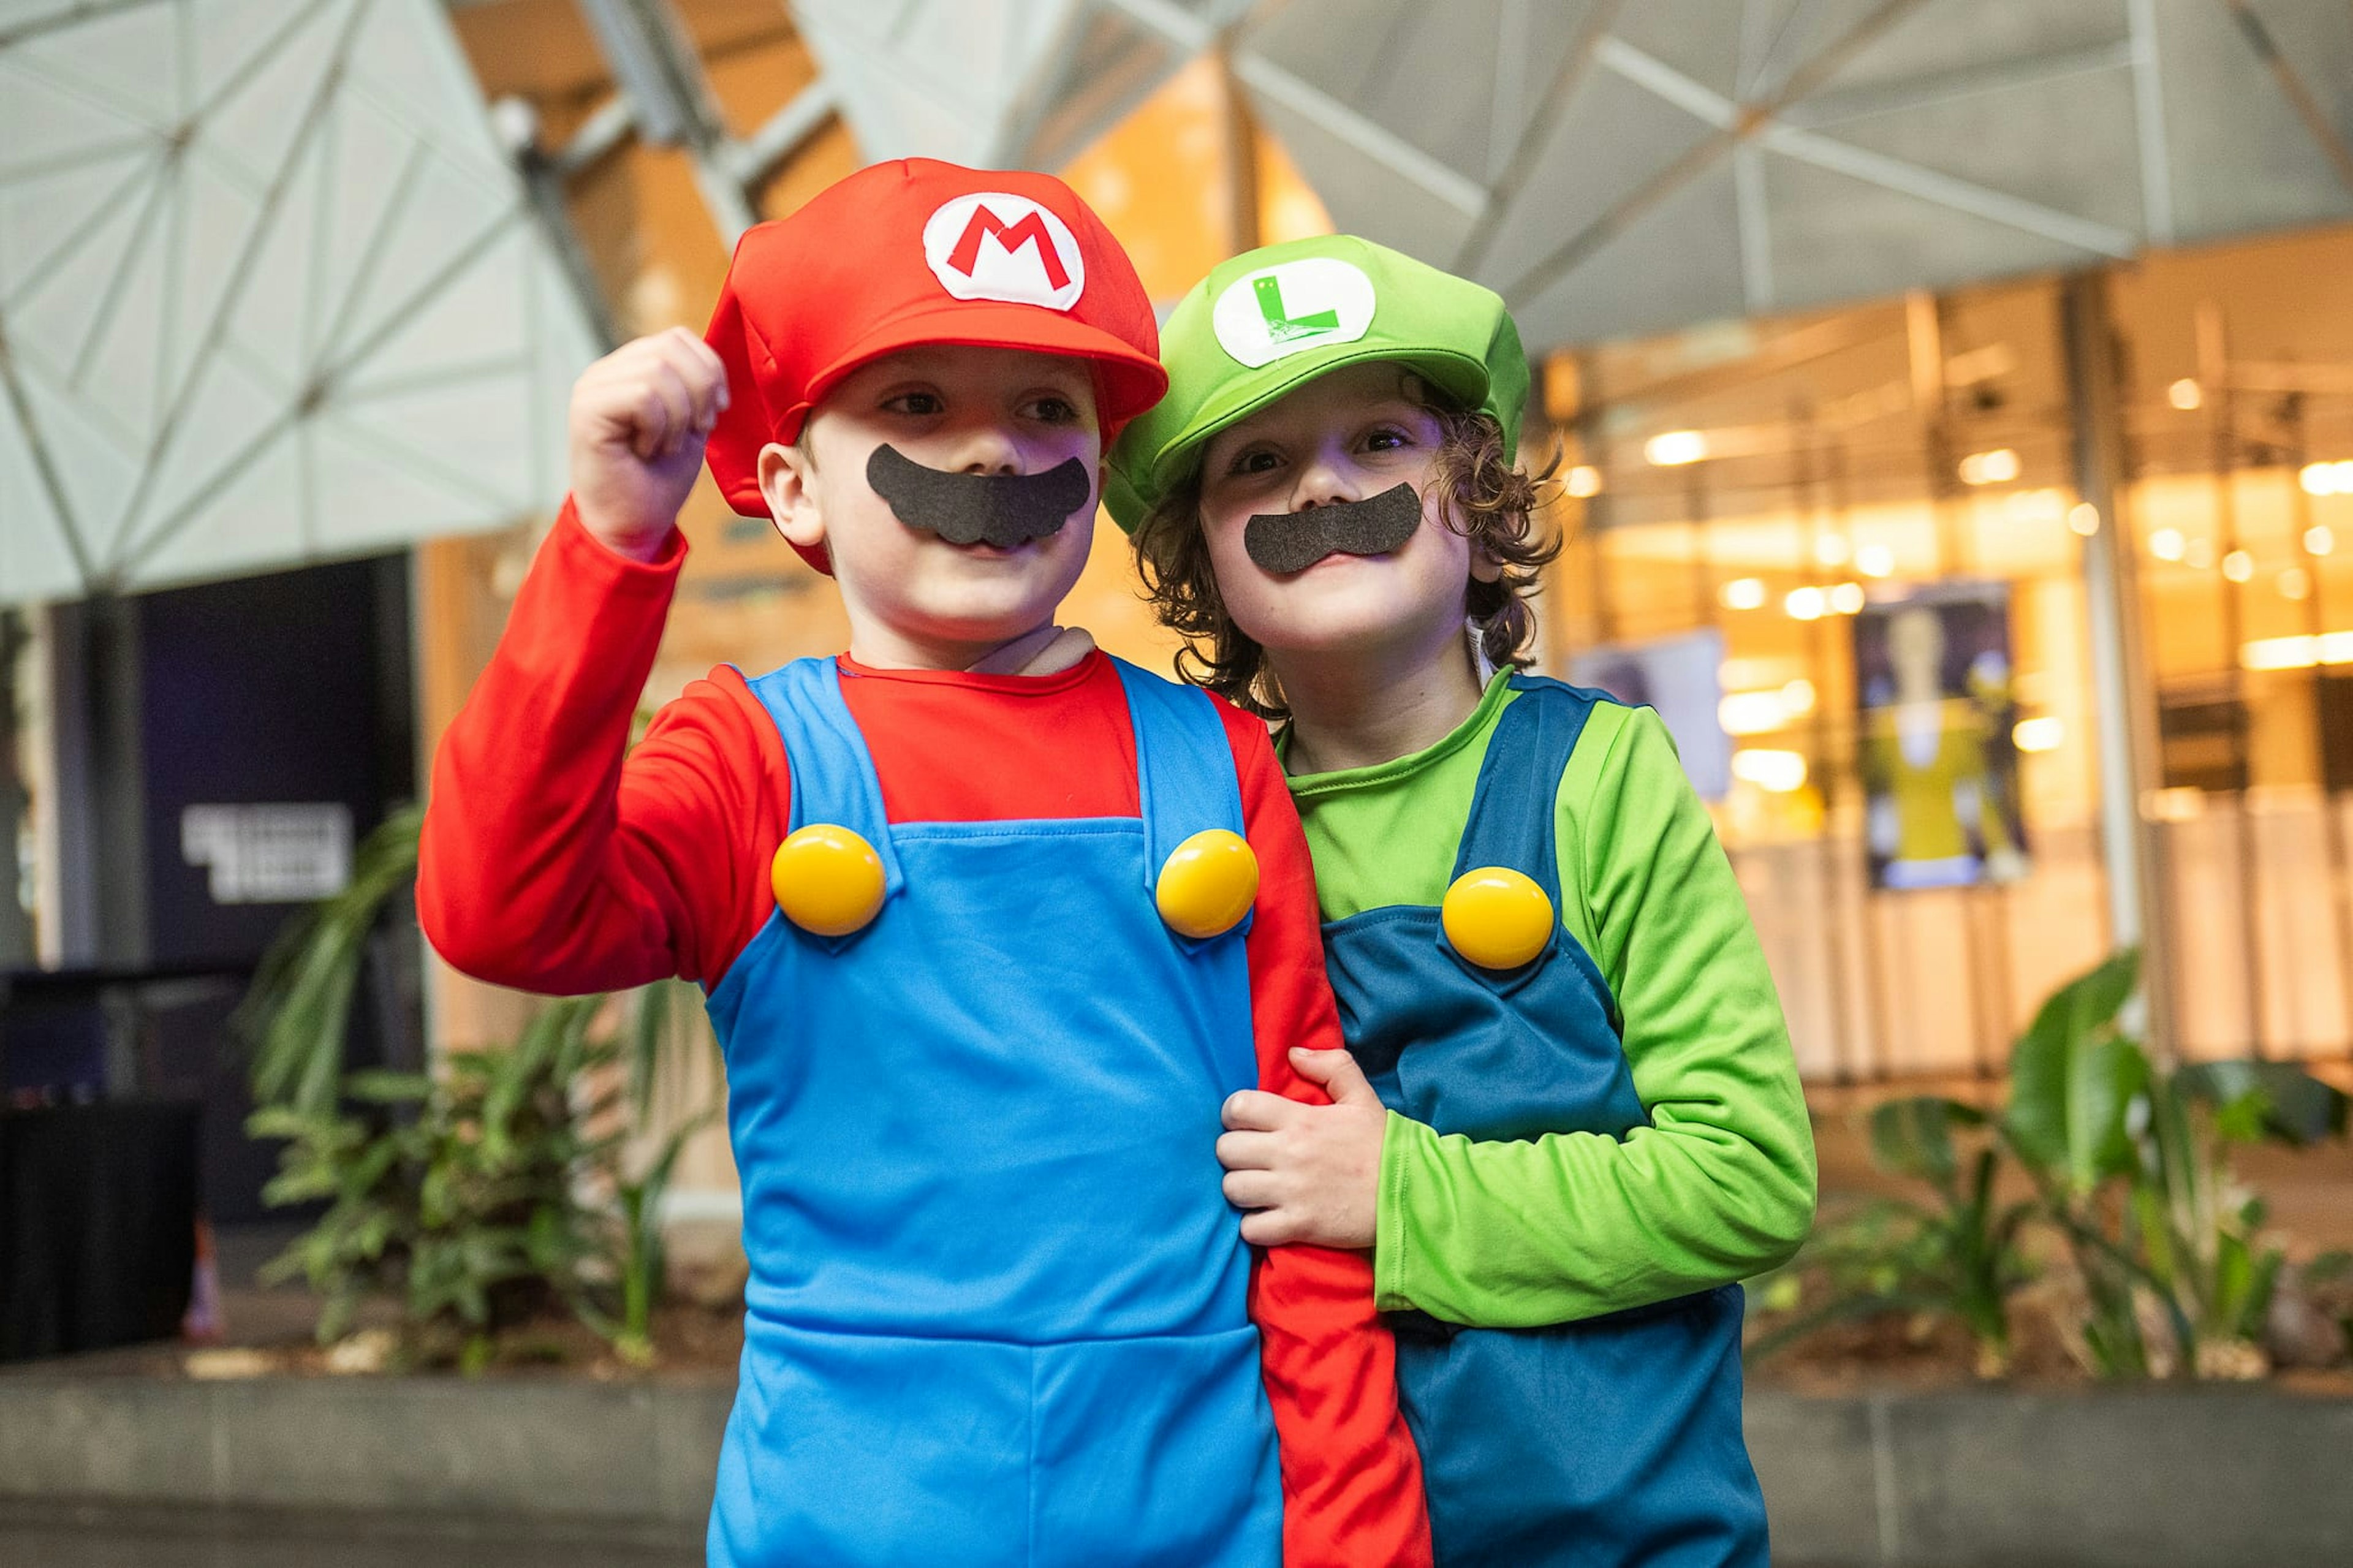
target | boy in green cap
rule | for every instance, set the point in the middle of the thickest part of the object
(1569, 1120)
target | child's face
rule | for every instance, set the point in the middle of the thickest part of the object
(1346, 436)
(913, 595)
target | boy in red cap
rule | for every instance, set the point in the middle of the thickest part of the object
(991, 923)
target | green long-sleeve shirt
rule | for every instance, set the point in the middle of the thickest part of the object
(1721, 1184)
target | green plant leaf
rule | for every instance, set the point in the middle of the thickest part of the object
(2292, 1106)
(2073, 1079)
(1914, 1137)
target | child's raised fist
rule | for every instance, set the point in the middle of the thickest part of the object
(640, 417)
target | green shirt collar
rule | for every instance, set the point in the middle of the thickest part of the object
(1482, 719)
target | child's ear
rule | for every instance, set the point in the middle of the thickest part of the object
(1484, 568)
(787, 476)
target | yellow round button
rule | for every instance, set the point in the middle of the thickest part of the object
(827, 881)
(1208, 884)
(1497, 917)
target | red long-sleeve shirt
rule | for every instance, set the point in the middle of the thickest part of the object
(552, 862)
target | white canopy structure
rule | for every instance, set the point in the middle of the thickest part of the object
(271, 289)
(1618, 168)
(269, 292)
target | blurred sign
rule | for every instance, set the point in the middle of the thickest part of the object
(269, 854)
(1681, 676)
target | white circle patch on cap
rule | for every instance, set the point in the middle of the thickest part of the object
(994, 246)
(1291, 306)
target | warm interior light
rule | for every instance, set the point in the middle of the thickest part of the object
(2238, 566)
(2166, 545)
(1829, 550)
(2296, 582)
(1997, 467)
(1584, 481)
(2185, 394)
(2038, 734)
(2325, 478)
(1674, 447)
(2297, 653)
(1778, 773)
(2319, 540)
(1806, 604)
(1763, 712)
(1874, 560)
(2083, 518)
(1743, 593)
(2044, 505)
(1847, 598)
(2199, 555)
(1752, 713)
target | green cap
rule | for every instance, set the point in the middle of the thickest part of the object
(1278, 317)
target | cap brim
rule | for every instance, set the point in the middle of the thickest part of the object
(1457, 375)
(1128, 382)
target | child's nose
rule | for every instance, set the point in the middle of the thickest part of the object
(988, 452)
(1322, 483)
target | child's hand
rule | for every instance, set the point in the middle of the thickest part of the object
(639, 416)
(1306, 1173)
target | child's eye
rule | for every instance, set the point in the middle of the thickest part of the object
(1387, 439)
(916, 402)
(1252, 460)
(1053, 410)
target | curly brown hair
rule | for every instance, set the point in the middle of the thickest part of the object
(1481, 496)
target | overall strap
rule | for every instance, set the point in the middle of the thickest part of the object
(1511, 821)
(833, 777)
(1185, 778)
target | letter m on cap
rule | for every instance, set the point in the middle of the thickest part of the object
(1034, 260)
(1030, 230)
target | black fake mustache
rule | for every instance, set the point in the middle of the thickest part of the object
(1283, 542)
(1003, 510)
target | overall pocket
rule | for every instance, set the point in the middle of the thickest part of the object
(1157, 1453)
(868, 1451)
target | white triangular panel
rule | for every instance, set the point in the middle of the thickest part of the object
(42, 122)
(119, 374)
(938, 78)
(241, 527)
(262, 113)
(423, 80)
(43, 216)
(95, 467)
(230, 410)
(320, 322)
(130, 63)
(447, 218)
(227, 37)
(382, 495)
(51, 318)
(476, 317)
(461, 424)
(35, 561)
(24, 16)
(217, 218)
(271, 294)
(366, 175)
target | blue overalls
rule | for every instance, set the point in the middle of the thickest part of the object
(998, 1306)
(1615, 1441)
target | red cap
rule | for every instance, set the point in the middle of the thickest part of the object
(913, 252)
